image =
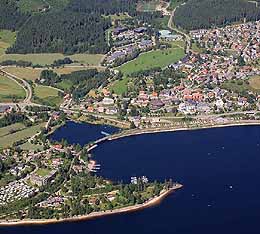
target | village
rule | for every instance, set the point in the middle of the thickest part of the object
(210, 85)
(213, 80)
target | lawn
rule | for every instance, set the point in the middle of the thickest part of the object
(48, 59)
(152, 59)
(47, 95)
(29, 146)
(9, 90)
(68, 70)
(236, 86)
(7, 38)
(64, 85)
(254, 82)
(120, 86)
(43, 172)
(147, 5)
(25, 73)
(26, 133)
(196, 49)
(28, 73)
(11, 128)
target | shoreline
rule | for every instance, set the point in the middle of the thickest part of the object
(150, 203)
(136, 132)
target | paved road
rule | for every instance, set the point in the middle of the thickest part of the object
(187, 37)
(24, 84)
(253, 112)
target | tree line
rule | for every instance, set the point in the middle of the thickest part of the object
(81, 82)
(196, 14)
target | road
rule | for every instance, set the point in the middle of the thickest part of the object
(187, 37)
(24, 84)
(253, 112)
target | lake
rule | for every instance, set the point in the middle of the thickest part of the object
(219, 168)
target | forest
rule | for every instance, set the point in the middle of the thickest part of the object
(10, 16)
(196, 14)
(77, 28)
(81, 82)
(63, 32)
(103, 7)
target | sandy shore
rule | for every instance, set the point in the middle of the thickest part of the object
(154, 201)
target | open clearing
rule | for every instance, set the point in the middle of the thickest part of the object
(29, 146)
(28, 73)
(48, 59)
(11, 128)
(43, 172)
(9, 139)
(120, 86)
(31, 5)
(147, 5)
(25, 73)
(10, 90)
(46, 95)
(254, 82)
(152, 59)
(7, 38)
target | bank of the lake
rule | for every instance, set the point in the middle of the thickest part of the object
(152, 202)
(82, 133)
(220, 169)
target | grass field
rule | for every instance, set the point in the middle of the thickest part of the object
(196, 49)
(43, 172)
(7, 38)
(9, 139)
(254, 82)
(48, 59)
(9, 90)
(31, 5)
(30, 146)
(11, 128)
(120, 86)
(25, 73)
(147, 5)
(28, 73)
(47, 95)
(152, 59)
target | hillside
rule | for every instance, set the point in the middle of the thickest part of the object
(197, 14)
(63, 32)
(10, 15)
(67, 26)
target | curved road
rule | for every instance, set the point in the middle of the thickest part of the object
(24, 84)
(187, 37)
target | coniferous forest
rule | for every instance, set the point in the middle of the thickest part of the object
(196, 14)
(77, 28)
(80, 26)
(10, 16)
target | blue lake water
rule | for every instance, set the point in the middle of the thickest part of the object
(219, 168)
(82, 133)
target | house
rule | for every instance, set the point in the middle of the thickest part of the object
(156, 104)
(5, 108)
(108, 101)
(168, 36)
(111, 111)
(90, 109)
(119, 30)
(140, 30)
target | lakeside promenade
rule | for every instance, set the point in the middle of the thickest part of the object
(152, 202)
(141, 131)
